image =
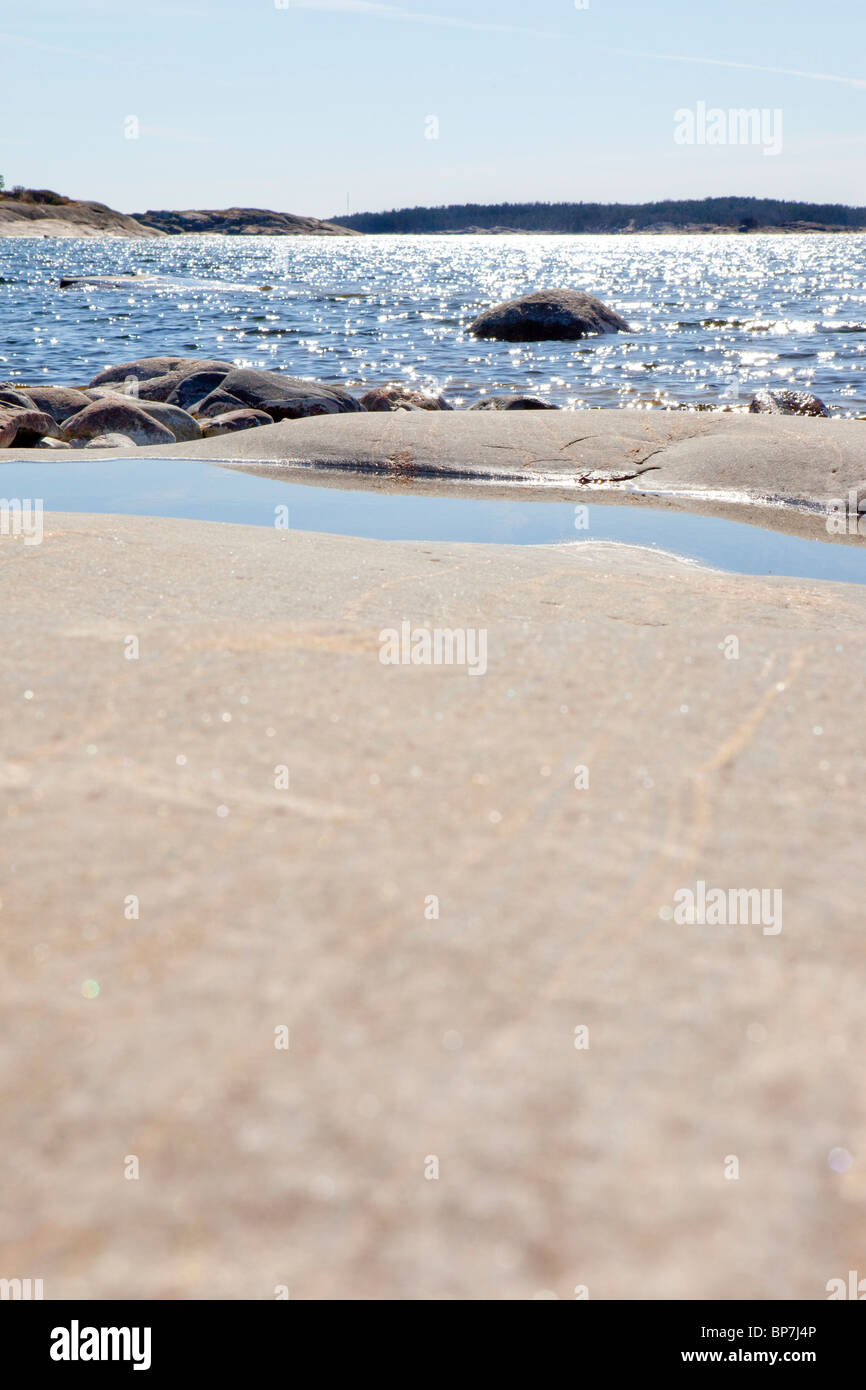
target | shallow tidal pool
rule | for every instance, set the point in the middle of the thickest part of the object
(207, 492)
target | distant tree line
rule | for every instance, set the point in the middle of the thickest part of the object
(747, 214)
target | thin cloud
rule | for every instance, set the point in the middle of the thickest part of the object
(754, 67)
(58, 48)
(374, 11)
(121, 60)
(177, 137)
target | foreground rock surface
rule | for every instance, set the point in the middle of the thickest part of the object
(412, 1035)
(740, 461)
(553, 314)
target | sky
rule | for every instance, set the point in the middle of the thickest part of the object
(311, 106)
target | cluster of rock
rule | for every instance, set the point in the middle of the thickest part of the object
(160, 400)
(171, 400)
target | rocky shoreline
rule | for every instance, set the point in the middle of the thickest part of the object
(168, 400)
(803, 476)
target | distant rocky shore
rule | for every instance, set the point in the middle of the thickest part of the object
(41, 212)
(240, 222)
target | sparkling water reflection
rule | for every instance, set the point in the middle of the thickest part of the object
(715, 317)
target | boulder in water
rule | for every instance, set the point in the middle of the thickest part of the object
(786, 403)
(402, 398)
(553, 314)
(513, 403)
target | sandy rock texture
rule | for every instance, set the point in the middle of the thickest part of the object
(225, 817)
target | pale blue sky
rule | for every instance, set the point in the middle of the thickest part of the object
(245, 102)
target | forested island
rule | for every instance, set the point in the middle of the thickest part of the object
(673, 215)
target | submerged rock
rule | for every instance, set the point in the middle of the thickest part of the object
(786, 403)
(101, 282)
(553, 314)
(116, 417)
(402, 398)
(513, 403)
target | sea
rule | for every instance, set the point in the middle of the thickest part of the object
(713, 317)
